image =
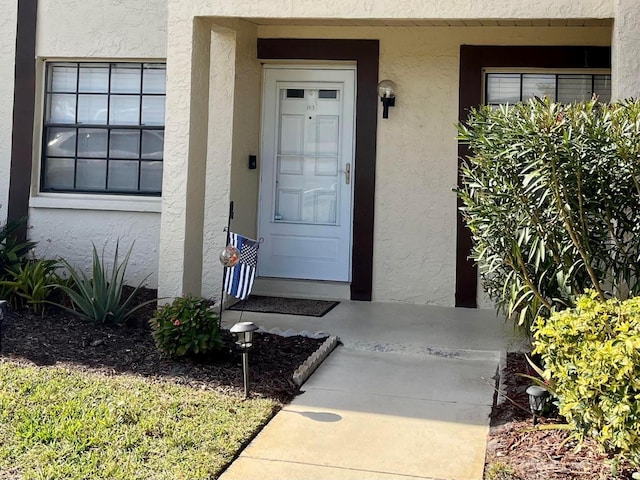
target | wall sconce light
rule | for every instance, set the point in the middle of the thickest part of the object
(387, 94)
(244, 340)
(537, 400)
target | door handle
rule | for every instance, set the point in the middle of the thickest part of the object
(347, 173)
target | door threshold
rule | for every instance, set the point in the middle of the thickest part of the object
(291, 287)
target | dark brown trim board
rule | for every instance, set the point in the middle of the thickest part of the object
(23, 111)
(472, 60)
(366, 54)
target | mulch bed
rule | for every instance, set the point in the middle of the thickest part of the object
(61, 338)
(538, 454)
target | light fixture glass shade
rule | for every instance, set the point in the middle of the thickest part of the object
(229, 256)
(387, 89)
(244, 334)
(537, 398)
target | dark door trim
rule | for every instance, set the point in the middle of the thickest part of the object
(23, 112)
(472, 60)
(366, 54)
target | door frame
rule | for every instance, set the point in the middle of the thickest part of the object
(365, 53)
(265, 203)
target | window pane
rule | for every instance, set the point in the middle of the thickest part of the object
(92, 109)
(154, 79)
(152, 110)
(125, 110)
(94, 79)
(91, 174)
(125, 78)
(124, 144)
(63, 78)
(92, 143)
(61, 142)
(62, 108)
(574, 88)
(94, 139)
(152, 144)
(503, 88)
(123, 175)
(603, 87)
(534, 85)
(58, 173)
(151, 176)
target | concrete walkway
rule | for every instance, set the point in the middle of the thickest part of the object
(407, 396)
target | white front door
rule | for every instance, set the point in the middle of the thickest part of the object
(307, 172)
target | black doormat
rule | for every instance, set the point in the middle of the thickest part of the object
(289, 306)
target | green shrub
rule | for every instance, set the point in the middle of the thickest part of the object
(551, 194)
(32, 282)
(99, 296)
(592, 353)
(13, 253)
(189, 325)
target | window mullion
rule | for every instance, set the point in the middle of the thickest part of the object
(63, 175)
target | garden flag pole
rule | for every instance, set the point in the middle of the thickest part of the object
(224, 270)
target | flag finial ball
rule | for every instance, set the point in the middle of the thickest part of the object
(229, 256)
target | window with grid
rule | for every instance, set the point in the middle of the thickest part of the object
(501, 88)
(103, 128)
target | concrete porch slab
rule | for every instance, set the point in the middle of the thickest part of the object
(357, 418)
(407, 396)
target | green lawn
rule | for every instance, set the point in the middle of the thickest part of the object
(57, 423)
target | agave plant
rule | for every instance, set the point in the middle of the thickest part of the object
(98, 297)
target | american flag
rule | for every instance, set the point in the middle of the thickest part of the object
(238, 280)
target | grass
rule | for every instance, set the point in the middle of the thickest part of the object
(57, 423)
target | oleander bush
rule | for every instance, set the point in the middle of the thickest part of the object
(189, 325)
(592, 354)
(551, 194)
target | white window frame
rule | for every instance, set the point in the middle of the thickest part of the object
(101, 199)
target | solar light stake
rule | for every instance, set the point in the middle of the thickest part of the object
(244, 340)
(537, 400)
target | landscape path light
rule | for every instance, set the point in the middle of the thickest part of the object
(538, 397)
(244, 340)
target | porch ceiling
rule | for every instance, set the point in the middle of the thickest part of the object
(350, 22)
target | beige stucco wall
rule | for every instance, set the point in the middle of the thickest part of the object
(625, 52)
(415, 208)
(401, 9)
(9, 10)
(234, 131)
(66, 225)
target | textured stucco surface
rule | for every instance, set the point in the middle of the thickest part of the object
(415, 208)
(209, 137)
(625, 55)
(7, 71)
(69, 234)
(401, 9)
(234, 130)
(185, 151)
(102, 30)
(107, 29)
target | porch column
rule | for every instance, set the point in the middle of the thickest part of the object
(625, 50)
(219, 155)
(185, 151)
